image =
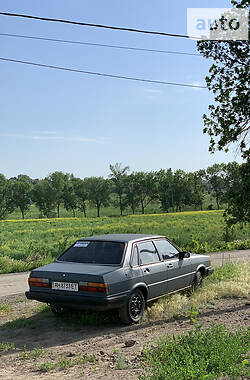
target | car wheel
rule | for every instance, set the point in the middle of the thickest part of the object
(197, 280)
(133, 310)
(57, 310)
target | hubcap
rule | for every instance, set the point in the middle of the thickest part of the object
(136, 305)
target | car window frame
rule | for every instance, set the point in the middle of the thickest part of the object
(132, 255)
(175, 257)
(159, 256)
(99, 240)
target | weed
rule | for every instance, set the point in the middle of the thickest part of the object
(121, 361)
(5, 346)
(65, 363)
(46, 367)
(5, 308)
(200, 354)
(34, 354)
(193, 315)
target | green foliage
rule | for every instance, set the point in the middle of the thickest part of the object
(5, 308)
(200, 354)
(27, 244)
(118, 178)
(46, 367)
(34, 354)
(5, 346)
(228, 79)
(98, 192)
(21, 188)
(44, 197)
(6, 197)
(228, 271)
(238, 193)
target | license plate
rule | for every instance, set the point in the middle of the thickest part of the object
(70, 286)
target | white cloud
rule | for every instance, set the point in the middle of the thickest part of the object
(54, 138)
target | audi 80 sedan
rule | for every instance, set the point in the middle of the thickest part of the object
(116, 271)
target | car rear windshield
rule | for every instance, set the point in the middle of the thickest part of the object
(96, 252)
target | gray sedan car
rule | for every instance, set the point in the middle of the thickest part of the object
(119, 271)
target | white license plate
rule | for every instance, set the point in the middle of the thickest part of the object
(72, 287)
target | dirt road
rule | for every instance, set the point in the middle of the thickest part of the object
(17, 283)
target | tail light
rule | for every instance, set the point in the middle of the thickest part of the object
(93, 287)
(38, 282)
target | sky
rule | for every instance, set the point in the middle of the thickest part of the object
(60, 121)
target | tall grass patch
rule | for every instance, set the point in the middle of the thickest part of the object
(200, 354)
(228, 281)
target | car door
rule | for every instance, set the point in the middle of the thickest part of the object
(177, 271)
(153, 269)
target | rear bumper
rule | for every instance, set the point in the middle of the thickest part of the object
(209, 271)
(78, 302)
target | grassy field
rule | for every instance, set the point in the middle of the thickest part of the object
(26, 244)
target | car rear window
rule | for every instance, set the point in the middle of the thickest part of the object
(96, 252)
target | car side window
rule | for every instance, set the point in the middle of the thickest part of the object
(166, 249)
(134, 260)
(147, 253)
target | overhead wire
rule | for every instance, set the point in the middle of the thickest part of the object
(100, 74)
(118, 28)
(99, 44)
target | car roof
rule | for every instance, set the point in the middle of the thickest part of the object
(125, 238)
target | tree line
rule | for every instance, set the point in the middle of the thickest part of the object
(226, 183)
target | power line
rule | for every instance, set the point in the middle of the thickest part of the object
(98, 44)
(96, 25)
(100, 74)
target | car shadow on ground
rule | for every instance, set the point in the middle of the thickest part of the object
(43, 329)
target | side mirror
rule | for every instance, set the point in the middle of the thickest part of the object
(183, 255)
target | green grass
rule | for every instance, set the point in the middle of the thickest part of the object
(64, 363)
(200, 354)
(34, 354)
(27, 244)
(6, 346)
(5, 308)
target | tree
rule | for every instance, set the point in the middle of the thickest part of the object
(21, 191)
(146, 188)
(197, 181)
(58, 182)
(181, 190)
(69, 196)
(216, 182)
(44, 197)
(238, 191)
(132, 198)
(229, 118)
(118, 177)
(80, 187)
(98, 192)
(6, 197)
(165, 188)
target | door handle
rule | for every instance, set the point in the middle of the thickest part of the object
(146, 270)
(170, 265)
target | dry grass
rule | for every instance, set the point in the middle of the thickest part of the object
(229, 281)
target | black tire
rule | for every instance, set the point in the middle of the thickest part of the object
(198, 280)
(57, 310)
(133, 310)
